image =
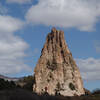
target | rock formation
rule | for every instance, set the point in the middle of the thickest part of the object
(56, 72)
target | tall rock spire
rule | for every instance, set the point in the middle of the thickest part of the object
(56, 72)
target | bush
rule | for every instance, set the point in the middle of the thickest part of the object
(6, 84)
(71, 86)
(96, 91)
(27, 83)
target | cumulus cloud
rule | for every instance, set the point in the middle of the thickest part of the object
(12, 47)
(10, 24)
(82, 14)
(90, 68)
(19, 1)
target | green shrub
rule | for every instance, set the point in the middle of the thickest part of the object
(71, 86)
(96, 91)
(6, 84)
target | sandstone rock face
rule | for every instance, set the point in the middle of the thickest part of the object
(56, 72)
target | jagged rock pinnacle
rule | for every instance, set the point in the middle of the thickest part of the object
(56, 72)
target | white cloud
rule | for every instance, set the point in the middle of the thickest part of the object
(12, 47)
(82, 14)
(10, 24)
(90, 68)
(19, 1)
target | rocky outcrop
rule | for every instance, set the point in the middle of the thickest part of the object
(56, 72)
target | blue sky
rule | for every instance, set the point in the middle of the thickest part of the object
(24, 25)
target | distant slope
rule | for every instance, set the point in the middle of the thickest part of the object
(9, 78)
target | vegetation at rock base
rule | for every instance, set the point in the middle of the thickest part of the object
(71, 86)
(27, 83)
(12, 91)
(21, 94)
(96, 91)
(24, 83)
(6, 84)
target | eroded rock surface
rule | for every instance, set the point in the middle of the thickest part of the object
(56, 71)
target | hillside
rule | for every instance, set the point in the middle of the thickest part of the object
(9, 78)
